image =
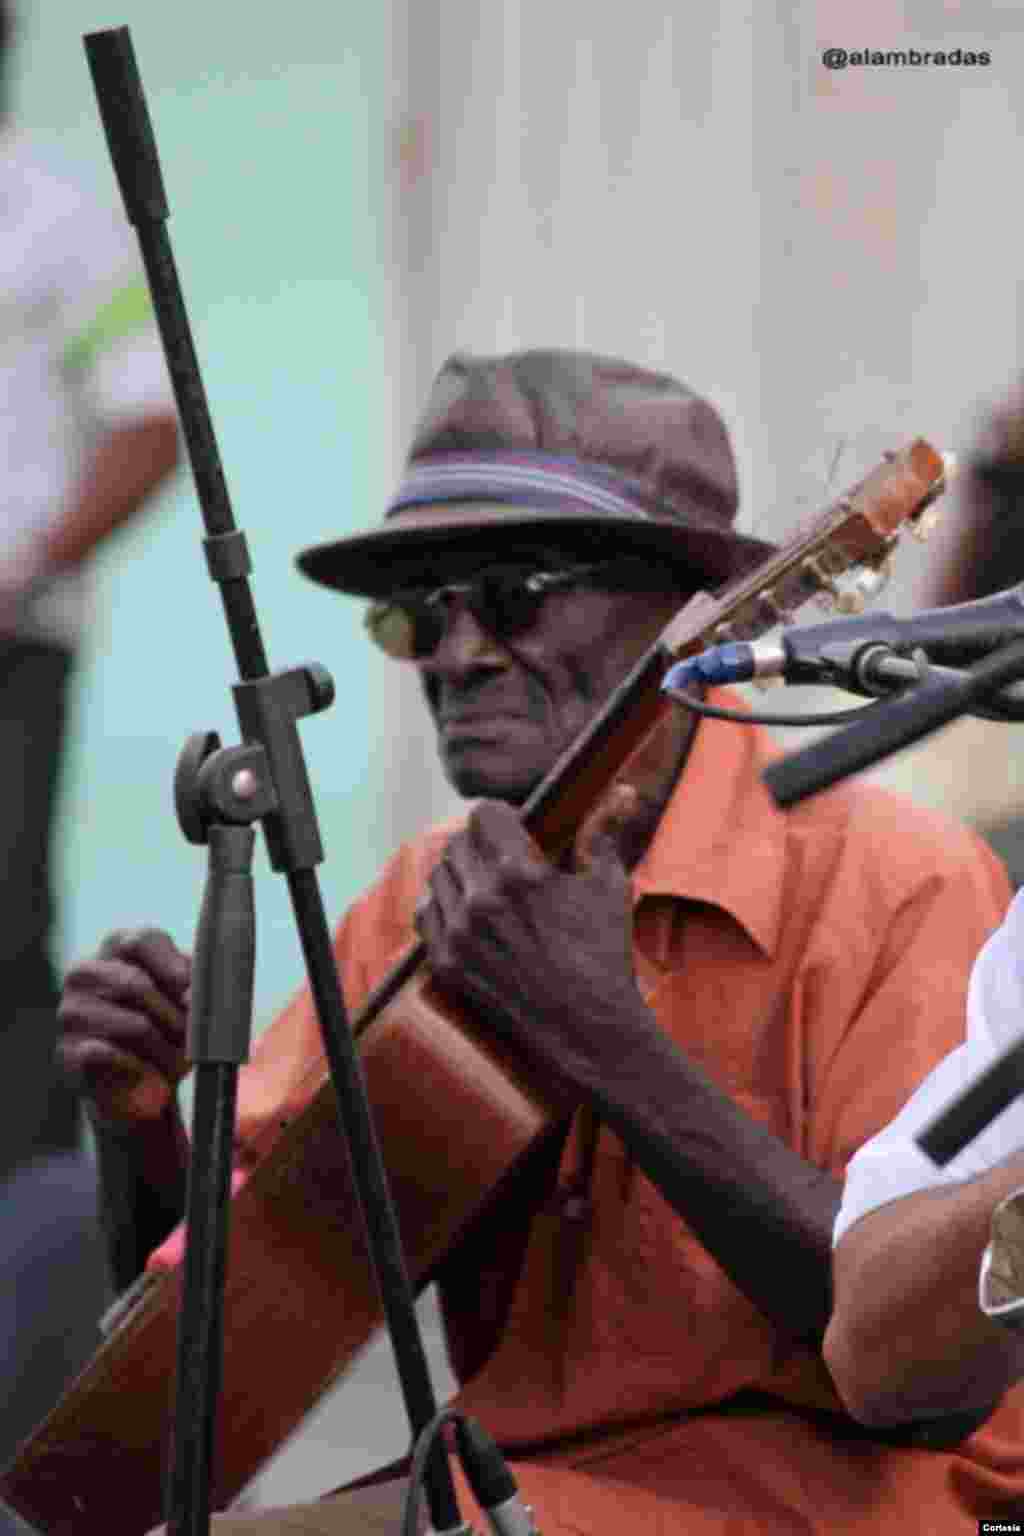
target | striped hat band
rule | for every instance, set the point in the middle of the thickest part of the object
(527, 479)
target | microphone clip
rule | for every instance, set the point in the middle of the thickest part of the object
(871, 667)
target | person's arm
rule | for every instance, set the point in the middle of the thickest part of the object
(128, 465)
(108, 355)
(763, 1212)
(907, 1337)
(547, 955)
(766, 1216)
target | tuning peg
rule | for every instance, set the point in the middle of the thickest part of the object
(871, 581)
(924, 524)
(815, 571)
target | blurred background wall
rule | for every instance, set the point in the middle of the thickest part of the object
(831, 256)
(357, 192)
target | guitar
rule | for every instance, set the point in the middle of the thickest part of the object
(300, 1290)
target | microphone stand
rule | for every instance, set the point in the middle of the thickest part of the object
(219, 793)
(934, 703)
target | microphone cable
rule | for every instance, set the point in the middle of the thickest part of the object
(487, 1473)
(1005, 705)
(754, 717)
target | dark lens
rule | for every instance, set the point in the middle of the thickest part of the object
(406, 630)
(409, 626)
(504, 604)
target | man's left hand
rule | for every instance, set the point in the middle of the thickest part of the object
(542, 954)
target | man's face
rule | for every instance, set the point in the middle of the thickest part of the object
(506, 709)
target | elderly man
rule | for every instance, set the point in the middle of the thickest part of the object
(735, 998)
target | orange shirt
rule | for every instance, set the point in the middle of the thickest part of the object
(815, 964)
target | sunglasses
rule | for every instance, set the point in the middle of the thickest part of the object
(505, 600)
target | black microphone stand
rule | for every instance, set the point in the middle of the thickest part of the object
(219, 793)
(936, 701)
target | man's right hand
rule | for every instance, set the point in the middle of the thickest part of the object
(122, 1019)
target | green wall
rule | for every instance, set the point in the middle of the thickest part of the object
(270, 130)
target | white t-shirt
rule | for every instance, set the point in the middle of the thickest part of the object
(79, 351)
(891, 1165)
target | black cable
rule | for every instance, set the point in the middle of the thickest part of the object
(1003, 707)
(424, 1445)
(494, 1487)
(749, 717)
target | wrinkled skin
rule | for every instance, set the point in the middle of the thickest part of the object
(543, 954)
(506, 712)
(123, 1016)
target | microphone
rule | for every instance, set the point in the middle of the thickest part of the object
(935, 702)
(838, 652)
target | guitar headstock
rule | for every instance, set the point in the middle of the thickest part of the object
(854, 536)
(898, 493)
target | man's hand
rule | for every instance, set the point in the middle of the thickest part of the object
(122, 1021)
(545, 955)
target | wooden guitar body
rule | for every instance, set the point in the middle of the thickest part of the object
(300, 1297)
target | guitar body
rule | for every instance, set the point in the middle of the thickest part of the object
(455, 1120)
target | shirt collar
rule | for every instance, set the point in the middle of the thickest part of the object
(722, 839)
